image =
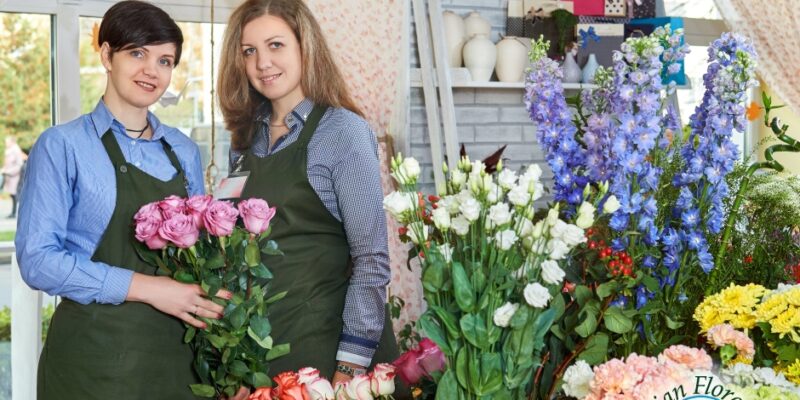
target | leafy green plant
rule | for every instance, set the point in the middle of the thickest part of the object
(5, 322)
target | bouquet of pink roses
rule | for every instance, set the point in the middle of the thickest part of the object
(199, 240)
(306, 384)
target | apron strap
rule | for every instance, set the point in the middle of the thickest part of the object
(118, 159)
(311, 125)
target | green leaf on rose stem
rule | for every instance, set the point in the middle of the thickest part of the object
(433, 276)
(271, 248)
(184, 277)
(473, 326)
(260, 379)
(520, 318)
(238, 369)
(672, 324)
(491, 373)
(276, 297)
(588, 316)
(261, 271)
(216, 341)
(260, 326)
(203, 390)
(265, 343)
(252, 255)
(465, 296)
(583, 294)
(237, 317)
(651, 283)
(462, 372)
(558, 332)
(189, 335)
(615, 321)
(448, 320)
(214, 261)
(541, 326)
(264, 234)
(596, 349)
(558, 305)
(447, 388)
(435, 332)
(278, 351)
(606, 289)
(211, 285)
(474, 373)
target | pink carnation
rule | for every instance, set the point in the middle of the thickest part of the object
(690, 357)
(196, 207)
(725, 334)
(220, 218)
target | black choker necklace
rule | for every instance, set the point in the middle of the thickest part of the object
(139, 131)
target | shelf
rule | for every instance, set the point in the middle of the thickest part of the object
(458, 81)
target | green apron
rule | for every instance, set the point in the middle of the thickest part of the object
(316, 266)
(127, 351)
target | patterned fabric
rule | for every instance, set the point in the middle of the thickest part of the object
(70, 193)
(366, 38)
(341, 165)
(779, 59)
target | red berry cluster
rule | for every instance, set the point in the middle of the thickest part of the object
(794, 271)
(619, 262)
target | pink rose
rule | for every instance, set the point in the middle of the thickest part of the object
(359, 388)
(149, 211)
(382, 380)
(262, 393)
(180, 230)
(408, 368)
(256, 214)
(319, 389)
(220, 218)
(431, 358)
(172, 205)
(307, 374)
(147, 232)
(196, 206)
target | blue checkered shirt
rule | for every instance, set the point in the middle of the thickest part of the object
(344, 170)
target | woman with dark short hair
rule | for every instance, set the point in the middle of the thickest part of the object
(118, 333)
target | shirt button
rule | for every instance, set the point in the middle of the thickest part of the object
(133, 142)
(123, 169)
(137, 164)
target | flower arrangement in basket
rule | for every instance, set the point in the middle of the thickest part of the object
(490, 267)
(200, 240)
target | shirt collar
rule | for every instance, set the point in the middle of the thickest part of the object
(103, 120)
(300, 112)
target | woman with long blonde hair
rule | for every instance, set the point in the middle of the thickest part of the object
(298, 133)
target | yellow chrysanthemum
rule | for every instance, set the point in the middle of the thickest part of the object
(792, 372)
(782, 312)
(734, 305)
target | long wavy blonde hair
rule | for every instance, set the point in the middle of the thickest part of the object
(321, 80)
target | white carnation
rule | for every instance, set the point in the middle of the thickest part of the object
(503, 315)
(552, 273)
(536, 295)
(577, 379)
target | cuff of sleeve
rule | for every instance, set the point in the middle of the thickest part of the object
(116, 285)
(353, 358)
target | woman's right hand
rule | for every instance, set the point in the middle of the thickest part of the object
(181, 300)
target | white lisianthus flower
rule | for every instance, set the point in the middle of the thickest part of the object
(477, 167)
(534, 172)
(471, 209)
(447, 252)
(568, 233)
(585, 215)
(525, 227)
(552, 273)
(577, 380)
(505, 239)
(537, 192)
(450, 203)
(519, 196)
(463, 196)
(493, 193)
(407, 172)
(611, 205)
(539, 246)
(418, 232)
(499, 214)
(557, 249)
(460, 225)
(507, 179)
(399, 204)
(458, 178)
(552, 216)
(441, 218)
(502, 316)
(536, 295)
(538, 229)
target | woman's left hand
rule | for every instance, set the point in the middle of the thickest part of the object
(340, 377)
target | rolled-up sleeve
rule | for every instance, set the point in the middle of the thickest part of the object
(44, 261)
(357, 184)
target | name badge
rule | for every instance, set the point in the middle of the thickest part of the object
(232, 186)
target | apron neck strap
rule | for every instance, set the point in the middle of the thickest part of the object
(311, 124)
(117, 158)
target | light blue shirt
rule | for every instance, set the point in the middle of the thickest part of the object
(69, 196)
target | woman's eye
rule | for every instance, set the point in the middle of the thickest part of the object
(137, 53)
(276, 45)
(165, 62)
(249, 51)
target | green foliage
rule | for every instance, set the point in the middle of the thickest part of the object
(5, 322)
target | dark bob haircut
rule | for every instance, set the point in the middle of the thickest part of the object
(132, 23)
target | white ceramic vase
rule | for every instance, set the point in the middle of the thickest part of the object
(475, 24)
(480, 57)
(512, 56)
(590, 68)
(571, 69)
(454, 37)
